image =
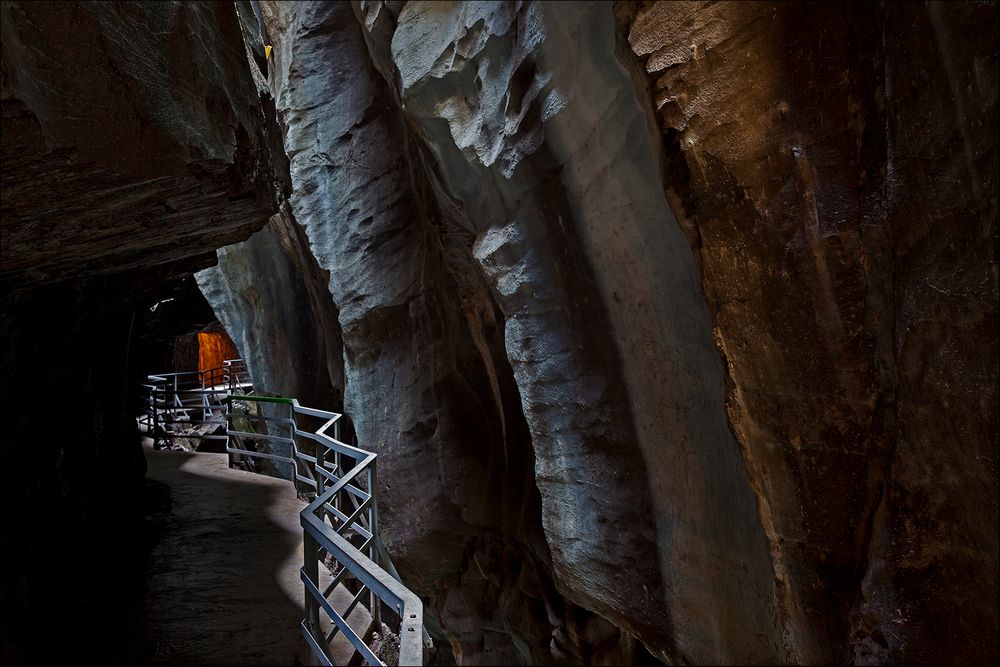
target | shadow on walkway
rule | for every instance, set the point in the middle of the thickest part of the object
(222, 584)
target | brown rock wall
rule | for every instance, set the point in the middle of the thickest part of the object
(837, 201)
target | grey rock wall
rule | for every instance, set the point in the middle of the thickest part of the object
(539, 137)
(271, 297)
(427, 382)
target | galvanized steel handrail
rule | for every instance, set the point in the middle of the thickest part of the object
(344, 509)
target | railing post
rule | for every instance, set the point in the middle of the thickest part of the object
(337, 470)
(318, 477)
(161, 404)
(229, 443)
(175, 402)
(375, 605)
(310, 568)
(373, 510)
(156, 411)
(295, 448)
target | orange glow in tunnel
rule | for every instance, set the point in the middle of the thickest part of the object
(214, 348)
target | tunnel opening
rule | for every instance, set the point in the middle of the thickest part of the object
(181, 351)
(175, 330)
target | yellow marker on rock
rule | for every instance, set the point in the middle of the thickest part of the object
(267, 50)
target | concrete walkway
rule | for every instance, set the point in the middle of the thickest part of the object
(223, 584)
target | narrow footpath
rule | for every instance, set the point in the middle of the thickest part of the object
(223, 583)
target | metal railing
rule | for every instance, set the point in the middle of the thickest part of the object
(345, 561)
(340, 525)
(177, 404)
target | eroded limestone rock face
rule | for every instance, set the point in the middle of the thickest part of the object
(271, 296)
(427, 382)
(674, 325)
(539, 139)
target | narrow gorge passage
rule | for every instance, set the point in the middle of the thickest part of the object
(515, 332)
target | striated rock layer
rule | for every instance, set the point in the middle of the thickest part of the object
(601, 303)
(674, 324)
(427, 382)
(164, 132)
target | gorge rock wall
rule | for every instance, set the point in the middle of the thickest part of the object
(427, 383)
(271, 297)
(537, 140)
(674, 325)
(842, 205)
